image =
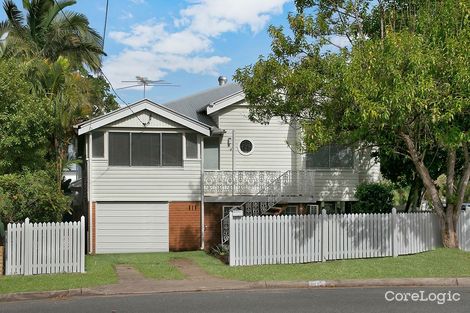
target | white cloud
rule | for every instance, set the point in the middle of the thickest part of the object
(141, 35)
(213, 17)
(153, 36)
(155, 48)
(126, 15)
(184, 42)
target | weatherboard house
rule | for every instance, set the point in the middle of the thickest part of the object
(160, 177)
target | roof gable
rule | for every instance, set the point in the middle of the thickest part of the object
(150, 119)
(225, 102)
(194, 106)
(138, 107)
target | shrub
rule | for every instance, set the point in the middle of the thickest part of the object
(31, 194)
(373, 198)
(25, 121)
(220, 250)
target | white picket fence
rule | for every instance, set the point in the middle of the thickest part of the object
(256, 240)
(463, 229)
(45, 248)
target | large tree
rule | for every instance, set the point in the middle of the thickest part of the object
(59, 48)
(73, 97)
(402, 83)
(25, 122)
(49, 31)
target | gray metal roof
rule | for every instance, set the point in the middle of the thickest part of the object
(193, 106)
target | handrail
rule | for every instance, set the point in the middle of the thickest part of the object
(256, 205)
(285, 185)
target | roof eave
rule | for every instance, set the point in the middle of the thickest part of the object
(145, 104)
(225, 102)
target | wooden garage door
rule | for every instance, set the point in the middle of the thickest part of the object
(131, 227)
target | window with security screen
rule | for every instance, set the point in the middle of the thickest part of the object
(119, 149)
(145, 149)
(319, 159)
(98, 144)
(191, 146)
(172, 149)
(331, 156)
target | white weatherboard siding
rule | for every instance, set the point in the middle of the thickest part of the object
(143, 183)
(369, 167)
(339, 184)
(131, 227)
(153, 120)
(336, 185)
(270, 151)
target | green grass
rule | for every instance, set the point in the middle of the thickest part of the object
(100, 269)
(151, 265)
(438, 263)
(99, 272)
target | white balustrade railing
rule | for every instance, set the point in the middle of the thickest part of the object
(237, 182)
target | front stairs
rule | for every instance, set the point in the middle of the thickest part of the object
(290, 186)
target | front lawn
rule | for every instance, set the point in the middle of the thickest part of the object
(438, 263)
(100, 271)
(151, 265)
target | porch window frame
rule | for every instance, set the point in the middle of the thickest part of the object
(329, 159)
(105, 144)
(198, 147)
(161, 133)
(291, 206)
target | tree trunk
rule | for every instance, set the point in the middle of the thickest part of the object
(448, 225)
(413, 195)
(448, 215)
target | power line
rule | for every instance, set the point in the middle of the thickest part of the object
(98, 66)
(105, 22)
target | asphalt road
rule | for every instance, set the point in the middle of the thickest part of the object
(272, 301)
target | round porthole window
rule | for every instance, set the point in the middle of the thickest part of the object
(245, 147)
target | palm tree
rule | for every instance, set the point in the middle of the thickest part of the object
(48, 32)
(69, 94)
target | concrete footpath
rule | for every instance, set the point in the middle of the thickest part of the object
(133, 282)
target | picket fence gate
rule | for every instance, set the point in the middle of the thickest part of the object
(45, 248)
(463, 230)
(256, 240)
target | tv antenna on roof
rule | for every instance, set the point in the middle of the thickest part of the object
(144, 81)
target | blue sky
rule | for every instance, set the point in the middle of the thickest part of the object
(185, 42)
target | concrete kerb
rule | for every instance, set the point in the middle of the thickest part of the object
(396, 282)
(20, 296)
